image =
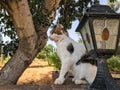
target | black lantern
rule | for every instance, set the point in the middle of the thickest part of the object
(100, 28)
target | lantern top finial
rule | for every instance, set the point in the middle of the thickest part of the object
(97, 11)
(98, 27)
(96, 2)
(100, 9)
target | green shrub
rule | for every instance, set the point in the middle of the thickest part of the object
(114, 63)
(48, 49)
(53, 60)
(49, 54)
(6, 59)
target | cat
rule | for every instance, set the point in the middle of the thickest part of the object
(73, 57)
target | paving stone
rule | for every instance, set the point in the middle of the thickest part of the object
(68, 84)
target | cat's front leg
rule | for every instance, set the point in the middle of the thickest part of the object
(59, 81)
(64, 69)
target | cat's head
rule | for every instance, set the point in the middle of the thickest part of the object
(58, 33)
(58, 29)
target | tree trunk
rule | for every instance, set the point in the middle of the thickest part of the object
(30, 42)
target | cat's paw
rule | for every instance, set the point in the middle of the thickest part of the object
(59, 81)
(73, 79)
(80, 81)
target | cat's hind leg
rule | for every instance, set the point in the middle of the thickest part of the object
(78, 79)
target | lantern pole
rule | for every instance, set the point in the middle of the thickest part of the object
(103, 79)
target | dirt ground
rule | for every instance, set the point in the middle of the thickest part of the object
(38, 73)
(37, 76)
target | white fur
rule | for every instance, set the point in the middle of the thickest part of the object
(86, 71)
(68, 60)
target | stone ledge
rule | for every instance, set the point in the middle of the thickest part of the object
(68, 84)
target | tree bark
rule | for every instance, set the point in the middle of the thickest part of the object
(30, 41)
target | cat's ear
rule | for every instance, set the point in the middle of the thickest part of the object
(57, 29)
(62, 31)
(59, 26)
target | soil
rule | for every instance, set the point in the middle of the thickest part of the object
(38, 76)
(38, 73)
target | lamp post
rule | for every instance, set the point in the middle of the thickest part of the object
(99, 28)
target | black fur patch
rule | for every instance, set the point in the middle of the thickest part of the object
(65, 74)
(70, 48)
(87, 59)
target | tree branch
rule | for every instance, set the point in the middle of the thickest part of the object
(5, 6)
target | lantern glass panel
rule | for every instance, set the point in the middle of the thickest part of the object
(85, 32)
(106, 31)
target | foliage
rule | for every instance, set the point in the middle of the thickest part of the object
(6, 59)
(114, 4)
(80, 40)
(114, 63)
(53, 60)
(7, 28)
(6, 24)
(69, 10)
(10, 48)
(49, 53)
(36, 7)
(45, 52)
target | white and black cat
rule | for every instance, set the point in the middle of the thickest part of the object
(72, 56)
